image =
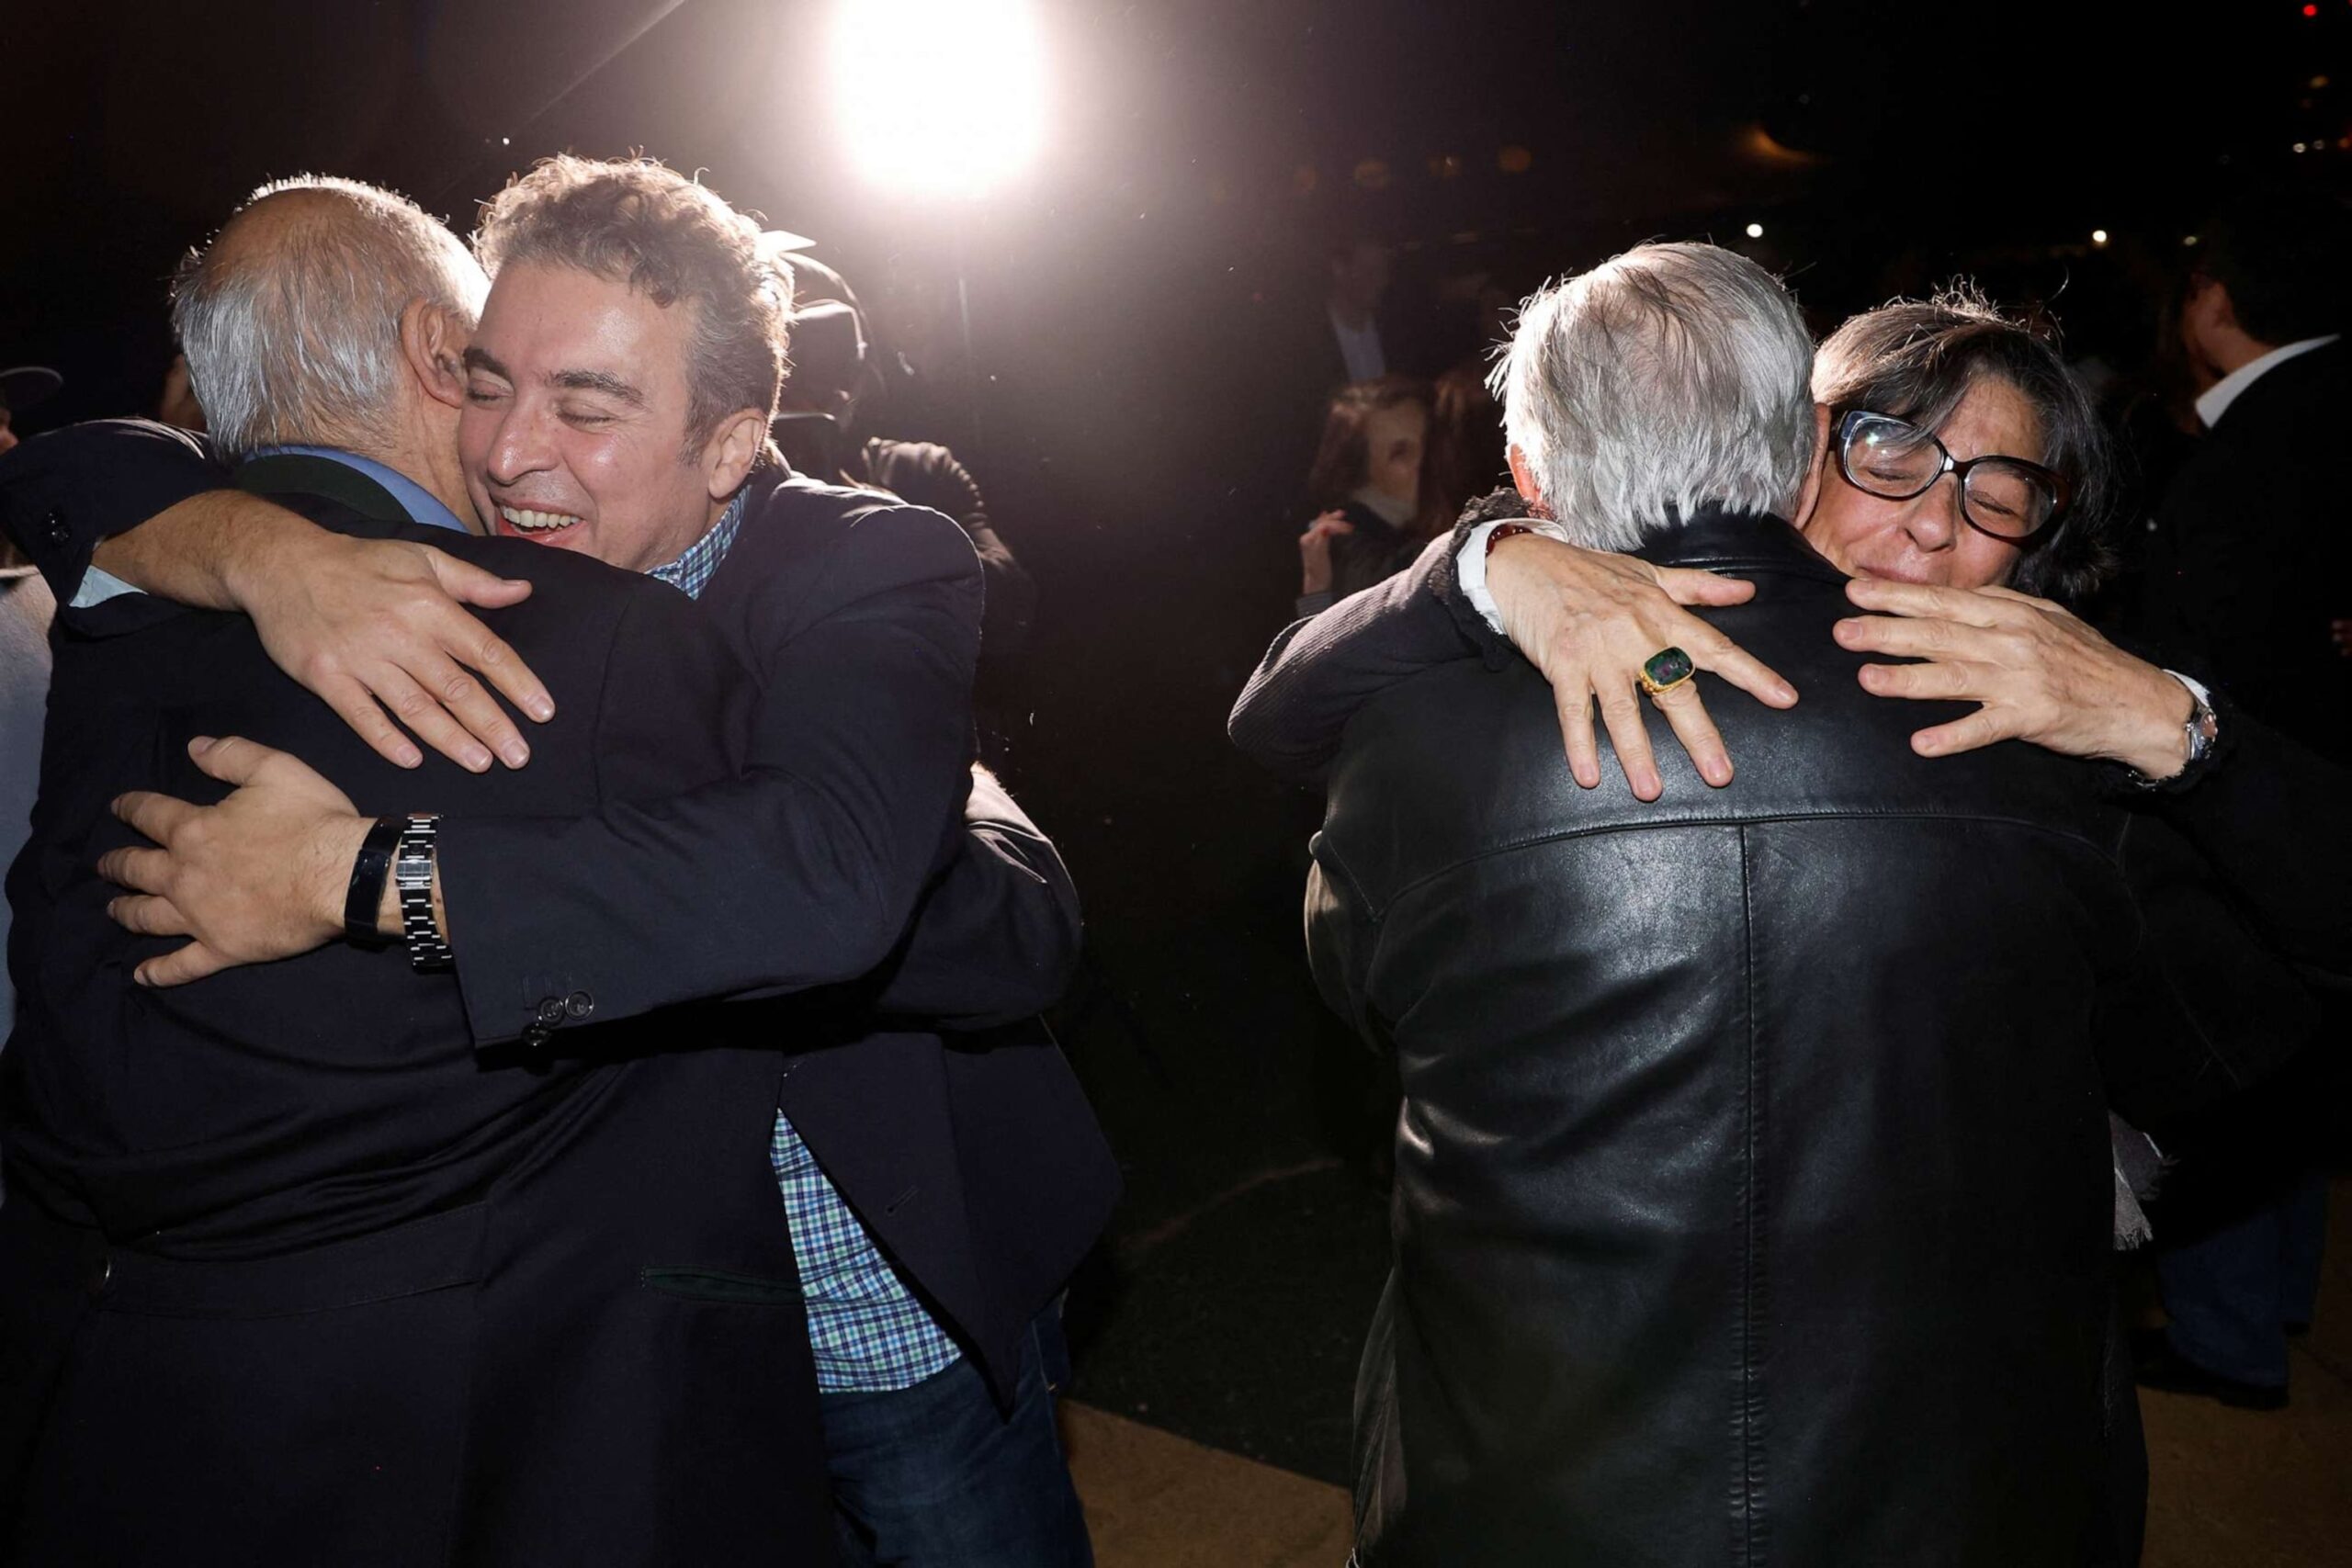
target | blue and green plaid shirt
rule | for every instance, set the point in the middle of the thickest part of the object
(867, 1330)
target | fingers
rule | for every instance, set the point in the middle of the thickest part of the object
(1982, 728)
(1622, 713)
(1574, 700)
(142, 871)
(1929, 638)
(1688, 585)
(409, 704)
(180, 965)
(148, 916)
(1688, 715)
(233, 759)
(1970, 607)
(155, 816)
(1942, 680)
(356, 706)
(470, 585)
(1717, 654)
(476, 711)
(503, 668)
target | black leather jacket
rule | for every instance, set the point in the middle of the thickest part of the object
(1753, 1199)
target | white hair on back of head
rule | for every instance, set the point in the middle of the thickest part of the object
(1671, 378)
(297, 341)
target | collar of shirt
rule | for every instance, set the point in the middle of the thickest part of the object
(1358, 346)
(2217, 399)
(421, 504)
(692, 571)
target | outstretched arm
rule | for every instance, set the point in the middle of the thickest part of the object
(1588, 620)
(378, 628)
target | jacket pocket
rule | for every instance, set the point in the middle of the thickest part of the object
(713, 1285)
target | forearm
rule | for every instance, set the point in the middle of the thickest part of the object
(2269, 820)
(801, 869)
(1320, 672)
(62, 494)
(205, 552)
(997, 935)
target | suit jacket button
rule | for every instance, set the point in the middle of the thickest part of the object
(535, 1036)
(551, 1011)
(58, 532)
(579, 1004)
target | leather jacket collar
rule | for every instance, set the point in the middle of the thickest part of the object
(1719, 539)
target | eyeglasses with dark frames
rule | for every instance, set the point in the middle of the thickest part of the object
(2008, 498)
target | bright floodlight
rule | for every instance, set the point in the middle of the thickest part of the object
(940, 97)
(1756, 231)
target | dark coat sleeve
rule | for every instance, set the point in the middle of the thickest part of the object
(1322, 669)
(63, 493)
(997, 936)
(2271, 819)
(801, 869)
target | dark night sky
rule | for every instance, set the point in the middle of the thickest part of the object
(1179, 125)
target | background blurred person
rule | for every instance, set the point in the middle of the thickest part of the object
(832, 381)
(1375, 512)
(2250, 558)
(26, 608)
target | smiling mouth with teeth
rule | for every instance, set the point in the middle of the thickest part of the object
(528, 524)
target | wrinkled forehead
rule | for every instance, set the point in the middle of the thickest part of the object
(548, 322)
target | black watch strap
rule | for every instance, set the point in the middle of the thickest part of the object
(367, 875)
(412, 874)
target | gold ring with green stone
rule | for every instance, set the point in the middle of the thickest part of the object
(1665, 670)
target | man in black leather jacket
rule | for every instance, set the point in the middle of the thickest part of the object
(1753, 1198)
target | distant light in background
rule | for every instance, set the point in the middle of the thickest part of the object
(1372, 174)
(1756, 231)
(942, 97)
(1514, 160)
(2098, 236)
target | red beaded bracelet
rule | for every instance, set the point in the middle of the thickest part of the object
(1504, 530)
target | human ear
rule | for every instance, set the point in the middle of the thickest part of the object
(1522, 479)
(434, 342)
(731, 450)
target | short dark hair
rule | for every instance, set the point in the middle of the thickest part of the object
(634, 221)
(1343, 456)
(2285, 259)
(1915, 359)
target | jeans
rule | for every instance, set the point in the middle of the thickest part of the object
(2232, 1293)
(935, 1476)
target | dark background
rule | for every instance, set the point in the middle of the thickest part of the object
(1123, 293)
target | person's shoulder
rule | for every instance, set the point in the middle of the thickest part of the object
(800, 524)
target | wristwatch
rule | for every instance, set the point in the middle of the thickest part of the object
(413, 876)
(2202, 732)
(366, 894)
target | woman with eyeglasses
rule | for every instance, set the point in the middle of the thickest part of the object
(1963, 487)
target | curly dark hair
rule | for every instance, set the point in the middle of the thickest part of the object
(1915, 359)
(633, 221)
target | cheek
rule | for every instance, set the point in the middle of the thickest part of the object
(1984, 562)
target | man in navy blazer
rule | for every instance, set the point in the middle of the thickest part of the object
(939, 1189)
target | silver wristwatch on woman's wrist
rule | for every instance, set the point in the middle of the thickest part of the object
(2200, 731)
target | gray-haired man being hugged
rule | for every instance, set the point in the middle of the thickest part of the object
(1751, 1181)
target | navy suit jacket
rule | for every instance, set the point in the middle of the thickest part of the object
(830, 864)
(298, 1274)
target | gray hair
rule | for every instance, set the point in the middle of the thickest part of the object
(296, 338)
(1671, 378)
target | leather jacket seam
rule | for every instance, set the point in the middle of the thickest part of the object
(1378, 910)
(1749, 1550)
